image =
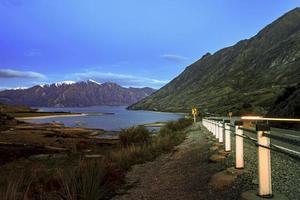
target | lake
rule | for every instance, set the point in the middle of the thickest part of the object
(117, 118)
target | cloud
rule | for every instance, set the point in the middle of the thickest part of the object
(11, 3)
(9, 73)
(33, 53)
(13, 88)
(174, 58)
(122, 79)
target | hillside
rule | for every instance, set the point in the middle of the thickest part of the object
(71, 94)
(245, 78)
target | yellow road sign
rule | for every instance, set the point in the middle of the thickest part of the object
(194, 111)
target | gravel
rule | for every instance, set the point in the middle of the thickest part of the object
(285, 171)
(184, 174)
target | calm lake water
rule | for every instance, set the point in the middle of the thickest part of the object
(121, 118)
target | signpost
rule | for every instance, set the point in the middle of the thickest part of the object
(230, 115)
(194, 113)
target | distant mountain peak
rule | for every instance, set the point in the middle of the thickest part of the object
(57, 84)
(75, 94)
(64, 83)
(93, 81)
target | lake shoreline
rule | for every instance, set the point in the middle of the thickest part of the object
(51, 116)
(110, 118)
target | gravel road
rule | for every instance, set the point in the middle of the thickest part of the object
(185, 173)
(182, 174)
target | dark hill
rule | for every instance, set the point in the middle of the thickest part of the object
(244, 78)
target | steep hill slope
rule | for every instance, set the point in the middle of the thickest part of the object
(246, 77)
(69, 94)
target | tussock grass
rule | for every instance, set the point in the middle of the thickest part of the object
(86, 181)
(17, 187)
(95, 179)
(135, 135)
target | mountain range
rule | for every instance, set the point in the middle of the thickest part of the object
(74, 94)
(253, 76)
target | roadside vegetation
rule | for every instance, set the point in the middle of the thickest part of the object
(74, 176)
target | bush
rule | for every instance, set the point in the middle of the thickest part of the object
(134, 136)
(132, 155)
(164, 131)
(179, 125)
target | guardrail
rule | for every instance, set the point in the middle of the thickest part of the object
(223, 128)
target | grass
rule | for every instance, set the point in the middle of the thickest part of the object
(95, 179)
(135, 135)
(86, 181)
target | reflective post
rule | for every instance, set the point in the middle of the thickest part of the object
(264, 160)
(214, 128)
(221, 132)
(239, 145)
(227, 136)
(217, 130)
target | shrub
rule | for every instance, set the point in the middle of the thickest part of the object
(179, 125)
(164, 131)
(132, 155)
(135, 135)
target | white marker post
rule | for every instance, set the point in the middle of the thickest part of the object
(239, 145)
(213, 128)
(227, 136)
(217, 130)
(221, 132)
(264, 160)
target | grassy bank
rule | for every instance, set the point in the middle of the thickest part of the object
(74, 176)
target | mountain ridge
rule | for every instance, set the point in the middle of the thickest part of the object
(74, 94)
(244, 78)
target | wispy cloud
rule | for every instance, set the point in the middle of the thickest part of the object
(174, 58)
(11, 3)
(122, 79)
(33, 53)
(9, 73)
(13, 88)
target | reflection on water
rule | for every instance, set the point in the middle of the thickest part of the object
(116, 117)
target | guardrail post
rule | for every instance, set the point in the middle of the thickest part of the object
(264, 160)
(239, 145)
(227, 136)
(221, 132)
(214, 128)
(217, 129)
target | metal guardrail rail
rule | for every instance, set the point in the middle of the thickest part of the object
(221, 128)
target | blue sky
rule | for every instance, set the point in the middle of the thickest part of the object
(133, 42)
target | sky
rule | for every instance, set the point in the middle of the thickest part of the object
(133, 43)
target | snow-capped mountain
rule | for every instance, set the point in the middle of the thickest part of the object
(75, 94)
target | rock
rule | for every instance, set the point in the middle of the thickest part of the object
(213, 148)
(255, 181)
(234, 171)
(216, 158)
(47, 156)
(222, 179)
(223, 153)
(93, 156)
(252, 195)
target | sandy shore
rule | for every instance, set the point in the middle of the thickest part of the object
(51, 116)
(155, 124)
